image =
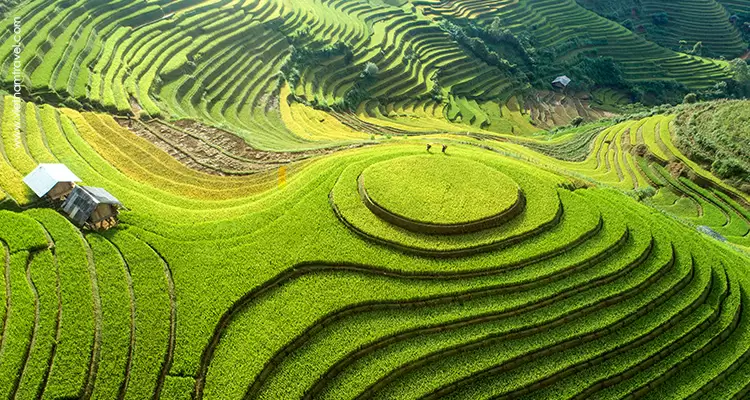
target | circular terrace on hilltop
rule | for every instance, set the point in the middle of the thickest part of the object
(439, 194)
(445, 205)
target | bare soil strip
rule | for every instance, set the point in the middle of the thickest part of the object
(216, 151)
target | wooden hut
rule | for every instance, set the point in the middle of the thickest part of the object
(92, 207)
(51, 181)
(561, 82)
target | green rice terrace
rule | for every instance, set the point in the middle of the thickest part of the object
(374, 199)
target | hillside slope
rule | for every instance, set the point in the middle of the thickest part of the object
(220, 287)
(375, 199)
(224, 62)
(679, 25)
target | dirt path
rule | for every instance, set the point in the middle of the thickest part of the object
(746, 56)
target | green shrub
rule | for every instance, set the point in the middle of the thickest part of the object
(599, 71)
(697, 49)
(360, 91)
(727, 168)
(660, 18)
(371, 71)
(741, 70)
(710, 134)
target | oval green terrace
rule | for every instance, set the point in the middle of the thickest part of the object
(440, 189)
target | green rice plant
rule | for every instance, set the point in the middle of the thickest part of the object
(152, 315)
(712, 364)
(285, 209)
(70, 78)
(70, 367)
(733, 204)
(709, 25)
(117, 324)
(477, 359)
(102, 91)
(599, 345)
(537, 215)
(468, 335)
(11, 182)
(426, 188)
(37, 18)
(18, 322)
(14, 143)
(227, 287)
(669, 366)
(359, 330)
(616, 263)
(21, 233)
(178, 388)
(35, 139)
(612, 236)
(634, 359)
(43, 273)
(665, 197)
(735, 224)
(41, 78)
(685, 207)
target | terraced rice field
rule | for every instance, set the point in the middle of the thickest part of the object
(561, 22)
(276, 247)
(687, 21)
(556, 285)
(220, 61)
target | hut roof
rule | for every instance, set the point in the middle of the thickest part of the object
(84, 200)
(45, 176)
(562, 80)
(101, 196)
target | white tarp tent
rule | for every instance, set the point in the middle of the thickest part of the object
(45, 176)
